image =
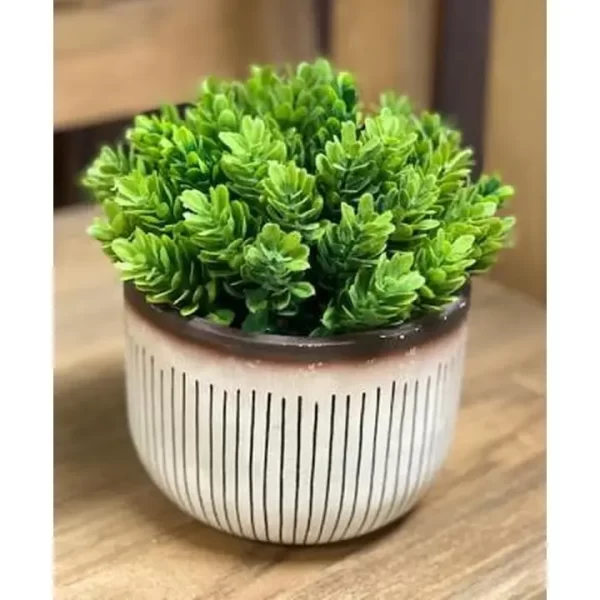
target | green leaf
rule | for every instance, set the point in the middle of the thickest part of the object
(101, 176)
(379, 296)
(221, 316)
(234, 141)
(165, 271)
(303, 289)
(217, 227)
(276, 263)
(257, 300)
(463, 244)
(291, 200)
(257, 322)
(357, 240)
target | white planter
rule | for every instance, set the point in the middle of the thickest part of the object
(292, 440)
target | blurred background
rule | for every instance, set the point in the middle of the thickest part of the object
(481, 62)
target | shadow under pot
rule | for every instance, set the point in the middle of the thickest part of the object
(292, 440)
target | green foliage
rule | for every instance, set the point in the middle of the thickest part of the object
(138, 201)
(275, 204)
(398, 105)
(474, 212)
(109, 165)
(413, 203)
(274, 270)
(443, 263)
(217, 229)
(394, 135)
(115, 225)
(250, 149)
(148, 201)
(291, 200)
(168, 146)
(349, 167)
(358, 240)
(166, 271)
(217, 110)
(379, 296)
(308, 106)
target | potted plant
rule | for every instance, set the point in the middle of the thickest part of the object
(297, 274)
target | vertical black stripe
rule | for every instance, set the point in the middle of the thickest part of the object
(153, 412)
(434, 426)
(163, 434)
(298, 454)
(344, 459)
(137, 403)
(399, 456)
(453, 399)
(358, 464)
(387, 456)
(173, 437)
(237, 462)
(197, 421)
(266, 467)
(211, 457)
(184, 444)
(411, 451)
(128, 381)
(329, 462)
(447, 399)
(374, 455)
(224, 462)
(281, 470)
(251, 464)
(138, 397)
(445, 395)
(312, 470)
(145, 408)
(426, 433)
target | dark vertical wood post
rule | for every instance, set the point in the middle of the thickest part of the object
(322, 10)
(462, 57)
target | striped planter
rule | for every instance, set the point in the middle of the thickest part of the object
(292, 440)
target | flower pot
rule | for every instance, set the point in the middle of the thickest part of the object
(292, 440)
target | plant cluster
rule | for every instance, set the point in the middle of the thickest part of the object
(277, 204)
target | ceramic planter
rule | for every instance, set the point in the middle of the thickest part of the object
(292, 440)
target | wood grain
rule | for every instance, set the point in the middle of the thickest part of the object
(389, 44)
(515, 134)
(116, 58)
(478, 534)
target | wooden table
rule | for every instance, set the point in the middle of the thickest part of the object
(479, 533)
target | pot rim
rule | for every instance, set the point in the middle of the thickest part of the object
(282, 348)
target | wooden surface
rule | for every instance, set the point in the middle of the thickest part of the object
(389, 44)
(478, 534)
(115, 58)
(515, 133)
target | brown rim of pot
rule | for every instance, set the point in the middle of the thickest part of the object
(280, 348)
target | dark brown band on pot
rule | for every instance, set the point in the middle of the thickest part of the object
(279, 348)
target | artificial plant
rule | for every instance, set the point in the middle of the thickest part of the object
(278, 204)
